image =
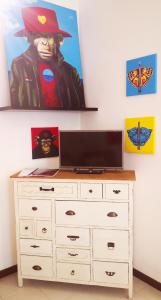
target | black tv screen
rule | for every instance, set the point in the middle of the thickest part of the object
(91, 149)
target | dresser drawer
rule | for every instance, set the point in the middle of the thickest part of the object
(43, 229)
(110, 272)
(35, 208)
(26, 228)
(36, 247)
(78, 272)
(91, 190)
(74, 255)
(36, 266)
(110, 244)
(47, 189)
(72, 213)
(72, 236)
(110, 214)
(40, 229)
(117, 191)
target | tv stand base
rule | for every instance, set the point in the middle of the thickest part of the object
(88, 171)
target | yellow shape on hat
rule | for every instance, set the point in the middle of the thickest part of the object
(41, 19)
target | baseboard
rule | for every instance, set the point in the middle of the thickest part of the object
(138, 274)
(147, 279)
(8, 271)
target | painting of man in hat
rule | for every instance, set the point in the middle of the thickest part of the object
(40, 77)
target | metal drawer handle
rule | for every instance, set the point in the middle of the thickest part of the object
(34, 246)
(72, 254)
(34, 208)
(90, 191)
(109, 273)
(72, 272)
(112, 214)
(46, 190)
(70, 213)
(44, 230)
(116, 191)
(37, 268)
(26, 228)
(73, 237)
(111, 245)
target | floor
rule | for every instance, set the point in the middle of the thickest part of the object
(40, 290)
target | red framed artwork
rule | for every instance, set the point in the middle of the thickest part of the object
(45, 142)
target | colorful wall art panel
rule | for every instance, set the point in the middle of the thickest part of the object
(44, 142)
(43, 54)
(141, 75)
(140, 135)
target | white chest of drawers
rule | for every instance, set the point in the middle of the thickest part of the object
(76, 228)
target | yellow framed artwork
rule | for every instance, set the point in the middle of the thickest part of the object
(140, 135)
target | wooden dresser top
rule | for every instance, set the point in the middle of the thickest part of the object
(109, 175)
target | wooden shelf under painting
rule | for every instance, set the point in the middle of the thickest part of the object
(10, 108)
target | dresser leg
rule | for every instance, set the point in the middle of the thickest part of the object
(130, 292)
(20, 281)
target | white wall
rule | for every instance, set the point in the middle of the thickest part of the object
(73, 4)
(111, 32)
(15, 150)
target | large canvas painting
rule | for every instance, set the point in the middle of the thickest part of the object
(140, 135)
(141, 75)
(44, 64)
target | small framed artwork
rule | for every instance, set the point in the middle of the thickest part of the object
(44, 142)
(140, 135)
(141, 75)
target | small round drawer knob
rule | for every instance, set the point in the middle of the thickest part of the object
(34, 208)
(26, 228)
(44, 230)
(91, 191)
(72, 272)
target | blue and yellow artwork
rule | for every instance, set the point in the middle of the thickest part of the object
(141, 75)
(140, 135)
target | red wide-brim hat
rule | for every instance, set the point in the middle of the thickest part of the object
(40, 20)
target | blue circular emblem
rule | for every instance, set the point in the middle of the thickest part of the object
(48, 75)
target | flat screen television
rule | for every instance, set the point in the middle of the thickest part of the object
(91, 150)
